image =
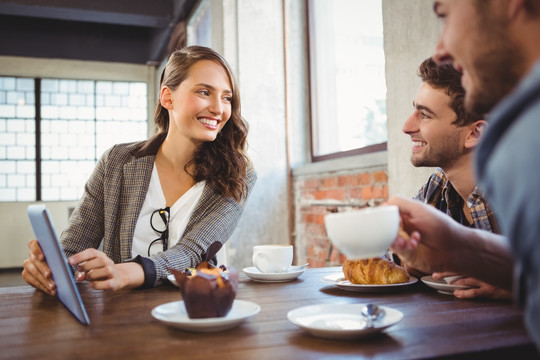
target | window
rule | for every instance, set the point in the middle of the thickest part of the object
(199, 29)
(48, 148)
(348, 89)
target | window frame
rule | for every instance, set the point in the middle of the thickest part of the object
(313, 117)
(94, 151)
(23, 67)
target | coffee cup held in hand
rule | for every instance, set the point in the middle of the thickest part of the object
(364, 233)
(272, 258)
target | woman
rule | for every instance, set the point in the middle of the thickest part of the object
(170, 201)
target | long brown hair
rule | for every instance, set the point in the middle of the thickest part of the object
(223, 163)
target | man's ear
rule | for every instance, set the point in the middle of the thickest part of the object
(165, 97)
(476, 131)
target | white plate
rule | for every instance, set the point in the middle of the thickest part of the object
(338, 279)
(256, 275)
(442, 286)
(340, 321)
(175, 314)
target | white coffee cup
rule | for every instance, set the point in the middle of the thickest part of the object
(364, 233)
(272, 258)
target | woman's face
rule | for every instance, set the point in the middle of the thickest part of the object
(201, 105)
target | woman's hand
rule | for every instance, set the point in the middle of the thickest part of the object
(36, 272)
(103, 274)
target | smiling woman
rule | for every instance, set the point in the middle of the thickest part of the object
(194, 173)
(204, 98)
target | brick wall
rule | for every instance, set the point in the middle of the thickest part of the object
(319, 194)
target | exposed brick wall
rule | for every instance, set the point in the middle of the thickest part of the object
(319, 194)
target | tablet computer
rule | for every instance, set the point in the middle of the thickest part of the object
(66, 288)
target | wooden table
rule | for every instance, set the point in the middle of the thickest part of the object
(34, 325)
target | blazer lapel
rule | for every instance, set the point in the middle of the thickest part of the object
(136, 179)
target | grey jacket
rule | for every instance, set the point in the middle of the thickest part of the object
(508, 169)
(111, 203)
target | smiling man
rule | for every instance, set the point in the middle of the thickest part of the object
(444, 135)
(494, 44)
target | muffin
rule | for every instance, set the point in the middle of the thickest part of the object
(207, 291)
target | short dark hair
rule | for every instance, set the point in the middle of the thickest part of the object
(447, 78)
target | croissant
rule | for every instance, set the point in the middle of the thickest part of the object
(374, 271)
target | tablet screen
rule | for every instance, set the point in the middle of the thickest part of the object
(66, 288)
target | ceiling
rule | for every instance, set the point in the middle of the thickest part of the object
(131, 31)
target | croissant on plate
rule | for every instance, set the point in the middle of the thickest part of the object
(374, 271)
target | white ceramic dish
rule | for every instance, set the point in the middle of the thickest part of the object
(253, 273)
(441, 285)
(338, 279)
(340, 321)
(175, 314)
(451, 279)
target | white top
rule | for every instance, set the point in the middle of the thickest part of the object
(180, 213)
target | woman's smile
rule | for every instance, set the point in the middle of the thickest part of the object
(210, 123)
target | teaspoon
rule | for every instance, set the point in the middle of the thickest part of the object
(297, 267)
(372, 313)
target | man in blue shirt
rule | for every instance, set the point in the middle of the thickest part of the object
(494, 44)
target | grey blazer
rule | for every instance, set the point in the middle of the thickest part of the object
(113, 198)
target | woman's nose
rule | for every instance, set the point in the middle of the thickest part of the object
(216, 106)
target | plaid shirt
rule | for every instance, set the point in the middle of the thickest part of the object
(440, 193)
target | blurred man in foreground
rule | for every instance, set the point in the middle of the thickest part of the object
(494, 44)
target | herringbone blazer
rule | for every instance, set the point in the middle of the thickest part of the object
(113, 198)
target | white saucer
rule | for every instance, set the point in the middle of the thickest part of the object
(175, 314)
(338, 279)
(340, 321)
(442, 286)
(256, 275)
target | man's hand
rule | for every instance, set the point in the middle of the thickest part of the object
(424, 242)
(478, 289)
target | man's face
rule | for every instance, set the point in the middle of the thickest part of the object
(435, 140)
(475, 38)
